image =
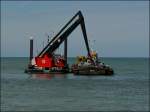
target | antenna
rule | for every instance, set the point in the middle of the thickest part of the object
(90, 42)
(48, 37)
(94, 44)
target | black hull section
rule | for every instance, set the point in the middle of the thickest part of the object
(84, 70)
(107, 71)
(36, 71)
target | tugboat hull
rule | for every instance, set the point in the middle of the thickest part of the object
(93, 71)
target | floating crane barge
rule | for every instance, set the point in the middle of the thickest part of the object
(48, 62)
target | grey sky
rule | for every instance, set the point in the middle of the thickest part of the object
(121, 29)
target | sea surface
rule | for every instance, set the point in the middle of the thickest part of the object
(126, 90)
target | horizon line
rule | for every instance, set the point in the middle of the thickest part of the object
(76, 56)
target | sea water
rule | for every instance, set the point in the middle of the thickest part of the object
(126, 90)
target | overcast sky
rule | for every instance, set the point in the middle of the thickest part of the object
(121, 29)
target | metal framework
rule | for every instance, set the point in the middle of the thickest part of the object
(62, 35)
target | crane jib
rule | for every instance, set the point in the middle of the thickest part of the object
(62, 35)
